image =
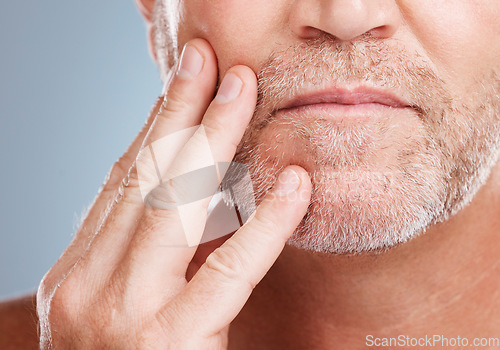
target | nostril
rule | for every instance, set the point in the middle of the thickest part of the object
(309, 32)
(345, 20)
(384, 31)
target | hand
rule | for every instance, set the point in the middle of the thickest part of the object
(121, 284)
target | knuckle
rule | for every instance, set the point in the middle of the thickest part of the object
(177, 101)
(132, 180)
(116, 174)
(162, 227)
(264, 222)
(46, 287)
(153, 112)
(64, 304)
(214, 125)
(145, 169)
(161, 197)
(130, 189)
(216, 128)
(55, 282)
(228, 263)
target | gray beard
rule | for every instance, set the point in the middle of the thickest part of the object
(435, 160)
(438, 159)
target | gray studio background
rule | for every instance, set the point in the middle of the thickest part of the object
(76, 84)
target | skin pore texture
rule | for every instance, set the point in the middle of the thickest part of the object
(401, 237)
(426, 171)
(377, 181)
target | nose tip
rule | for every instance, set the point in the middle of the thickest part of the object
(345, 19)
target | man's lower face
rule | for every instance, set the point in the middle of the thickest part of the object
(381, 175)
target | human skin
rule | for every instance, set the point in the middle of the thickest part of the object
(443, 282)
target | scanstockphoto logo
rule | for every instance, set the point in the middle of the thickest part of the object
(179, 173)
(436, 341)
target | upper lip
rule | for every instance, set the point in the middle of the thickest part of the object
(347, 96)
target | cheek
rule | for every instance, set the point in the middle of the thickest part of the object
(240, 31)
(460, 36)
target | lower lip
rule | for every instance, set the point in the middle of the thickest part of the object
(337, 112)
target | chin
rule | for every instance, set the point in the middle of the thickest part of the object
(352, 212)
(374, 186)
(351, 224)
(380, 180)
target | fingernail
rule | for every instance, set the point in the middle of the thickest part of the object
(191, 63)
(229, 89)
(287, 182)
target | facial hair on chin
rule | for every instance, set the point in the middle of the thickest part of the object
(380, 182)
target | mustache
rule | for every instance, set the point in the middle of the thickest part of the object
(367, 60)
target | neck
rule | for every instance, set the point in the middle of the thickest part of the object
(445, 282)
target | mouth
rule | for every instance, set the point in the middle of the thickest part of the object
(359, 102)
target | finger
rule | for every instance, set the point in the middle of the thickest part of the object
(191, 92)
(183, 109)
(186, 101)
(216, 294)
(109, 189)
(98, 209)
(163, 244)
(202, 253)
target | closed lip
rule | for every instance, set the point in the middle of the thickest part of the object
(360, 96)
